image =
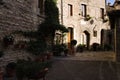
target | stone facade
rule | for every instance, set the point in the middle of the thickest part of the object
(18, 15)
(86, 18)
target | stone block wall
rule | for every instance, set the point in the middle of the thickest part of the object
(18, 15)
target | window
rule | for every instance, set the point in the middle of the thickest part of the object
(84, 10)
(58, 38)
(102, 13)
(40, 6)
(95, 33)
(70, 10)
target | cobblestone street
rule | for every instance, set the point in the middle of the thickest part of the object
(91, 56)
(78, 69)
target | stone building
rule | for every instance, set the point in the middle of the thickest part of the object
(114, 15)
(18, 16)
(86, 20)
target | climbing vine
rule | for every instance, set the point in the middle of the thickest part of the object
(51, 23)
(46, 30)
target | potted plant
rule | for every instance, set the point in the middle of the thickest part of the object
(73, 43)
(31, 69)
(8, 40)
(87, 18)
(10, 71)
(80, 48)
(95, 46)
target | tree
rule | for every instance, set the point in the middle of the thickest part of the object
(51, 23)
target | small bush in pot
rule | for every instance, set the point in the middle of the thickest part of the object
(58, 49)
(10, 71)
(95, 46)
(31, 69)
(73, 42)
(80, 48)
(8, 40)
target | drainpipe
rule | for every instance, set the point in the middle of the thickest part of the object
(62, 12)
(115, 30)
(62, 17)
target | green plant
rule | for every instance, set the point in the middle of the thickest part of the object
(8, 40)
(95, 46)
(87, 18)
(58, 48)
(105, 20)
(30, 69)
(44, 36)
(73, 42)
(37, 47)
(10, 70)
(80, 48)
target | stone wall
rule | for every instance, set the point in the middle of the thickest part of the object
(18, 15)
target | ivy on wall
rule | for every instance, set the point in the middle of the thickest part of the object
(51, 23)
(46, 30)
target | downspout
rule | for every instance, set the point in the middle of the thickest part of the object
(62, 12)
(115, 30)
(62, 17)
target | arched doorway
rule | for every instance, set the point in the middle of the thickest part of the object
(87, 39)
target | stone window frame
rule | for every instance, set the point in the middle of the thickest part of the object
(84, 10)
(70, 10)
(95, 33)
(102, 13)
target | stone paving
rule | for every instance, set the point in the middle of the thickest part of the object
(70, 68)
(91, 56)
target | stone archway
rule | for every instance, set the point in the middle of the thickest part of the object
(87, 39)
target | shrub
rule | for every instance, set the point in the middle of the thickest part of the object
(58, 48)
(8, 40)
(30, 69)
(37, 47)
(10, 70)
(95, 46)
(73, 42)
(80, 48)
